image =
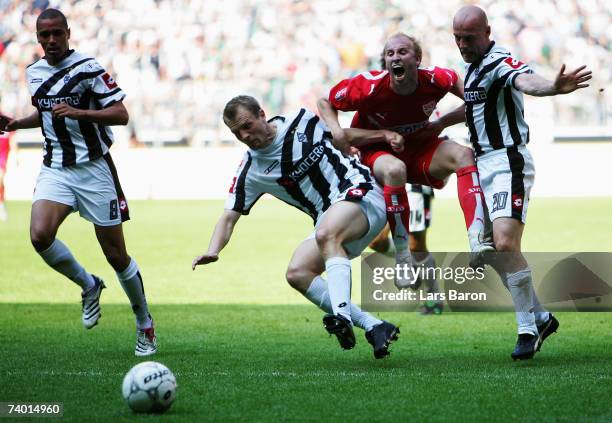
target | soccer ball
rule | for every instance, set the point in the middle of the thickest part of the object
(149, 387)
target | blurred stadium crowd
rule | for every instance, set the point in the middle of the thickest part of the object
(179, 61)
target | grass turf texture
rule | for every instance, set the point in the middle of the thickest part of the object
(245, 346)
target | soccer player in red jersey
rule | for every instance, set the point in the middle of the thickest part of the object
(400, 99)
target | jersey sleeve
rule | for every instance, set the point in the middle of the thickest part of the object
(104, 87)
(349, 94)
(443, 78)
(509, 69)
(243, 192)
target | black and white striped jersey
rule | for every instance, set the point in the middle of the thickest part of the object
(494, 108)
(301, 167)
(82, 83)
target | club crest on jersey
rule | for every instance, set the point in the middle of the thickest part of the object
(513, 63)
(429, 107)
(301, 137)
(341, 94)
(109, 80)
(66, 78)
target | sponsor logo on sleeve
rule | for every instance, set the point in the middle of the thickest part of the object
(513, 63)
(109, 81)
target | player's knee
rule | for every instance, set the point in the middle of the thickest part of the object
(117, 259)
(325, 237)
(40, 238)
(465, 157)
(297, 278)
(506, 244)
(395, 173)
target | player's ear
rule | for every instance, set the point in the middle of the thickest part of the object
(67, 33)
(262, 114)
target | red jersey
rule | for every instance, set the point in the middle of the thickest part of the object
(379, 107)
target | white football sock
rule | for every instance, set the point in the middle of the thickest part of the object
(521, 288)
(540, 313)
(59, 257)
(339, 285)
(429, 276)
(131, 281)
(318, 294)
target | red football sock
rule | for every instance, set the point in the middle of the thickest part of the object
(398, 215)
(471, 198)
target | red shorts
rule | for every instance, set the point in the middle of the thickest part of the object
(4, 150)
(416, 156)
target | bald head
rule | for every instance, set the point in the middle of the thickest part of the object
(472, 16)
(472, 32)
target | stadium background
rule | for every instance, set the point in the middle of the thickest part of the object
(180, 61)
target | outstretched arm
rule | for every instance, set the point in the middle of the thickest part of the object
(330, 116)
(8, 123)
(219, 239)
(564, 83)
(116, 114)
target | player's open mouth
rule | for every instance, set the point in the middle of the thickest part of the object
(398, 70)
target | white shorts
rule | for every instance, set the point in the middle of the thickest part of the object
(506, 178)
(91, 188)
(419, 200)
(373, 206)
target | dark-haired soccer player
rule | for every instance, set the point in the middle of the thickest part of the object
(401, 98)
(76, 101)
(494, 84)
(292, 158)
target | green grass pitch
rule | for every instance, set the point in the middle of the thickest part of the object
(245, 347)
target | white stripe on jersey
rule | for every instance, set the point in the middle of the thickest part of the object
(301, 167)
(80, 82)
(494, 108)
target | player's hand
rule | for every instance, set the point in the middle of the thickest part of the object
(204, 259)
(395, 140)
(567, 82)
(430, 130)
(63, 110)
(7, 123)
